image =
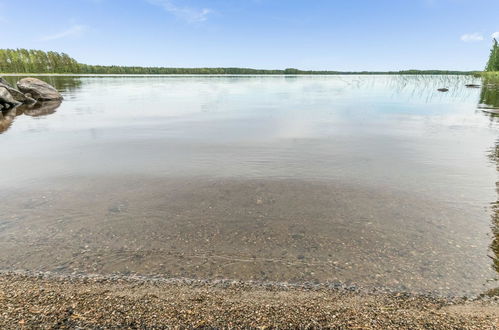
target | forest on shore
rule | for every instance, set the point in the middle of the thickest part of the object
(493, 63)
(38, 61)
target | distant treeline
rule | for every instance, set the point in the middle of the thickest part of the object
(37, 61)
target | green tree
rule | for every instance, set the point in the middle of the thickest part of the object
(493, 64)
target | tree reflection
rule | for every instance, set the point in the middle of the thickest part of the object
(489, 99)
(494, 156)
(489, 102)
(489, 96)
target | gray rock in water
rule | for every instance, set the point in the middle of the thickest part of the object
(17, 95)
(6, 98)
(38, 89)
(5, 82)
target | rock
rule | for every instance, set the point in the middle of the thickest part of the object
(17, 95)
(472, 86)
(6, 98)
(40, 90)
(4, 82)
(443, 89)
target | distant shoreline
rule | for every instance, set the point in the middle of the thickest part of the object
(32, 61)
(476, 74)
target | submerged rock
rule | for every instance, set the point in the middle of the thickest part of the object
(38, 89)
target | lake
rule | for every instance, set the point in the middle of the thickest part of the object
(375, 181)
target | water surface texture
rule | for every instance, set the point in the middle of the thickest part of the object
(379, 181)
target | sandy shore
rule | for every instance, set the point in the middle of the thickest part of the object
(47, 301)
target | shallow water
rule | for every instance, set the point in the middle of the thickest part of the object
(371, 180)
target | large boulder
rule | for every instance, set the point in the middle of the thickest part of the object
(17, 95)
(39, 90)
(6, 98)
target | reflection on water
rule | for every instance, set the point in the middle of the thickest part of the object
(377, 180)
(494, 156)
(6, 119)
(489, 97)
(489, 101)
(34, 110)
(40, 108)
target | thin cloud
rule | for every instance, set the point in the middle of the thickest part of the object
(188, 14)
(495, 35)
(72, 31)
(472, 37)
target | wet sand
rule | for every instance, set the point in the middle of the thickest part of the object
(286, 230)
(47, 302)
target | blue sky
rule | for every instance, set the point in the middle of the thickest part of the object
(307, 34)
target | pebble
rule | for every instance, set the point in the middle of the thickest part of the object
(48, 301)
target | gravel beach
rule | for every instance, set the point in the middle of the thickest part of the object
(42, 301)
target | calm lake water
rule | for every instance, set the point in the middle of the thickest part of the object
(378, 181)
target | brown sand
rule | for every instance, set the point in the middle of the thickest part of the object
(47, 302)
